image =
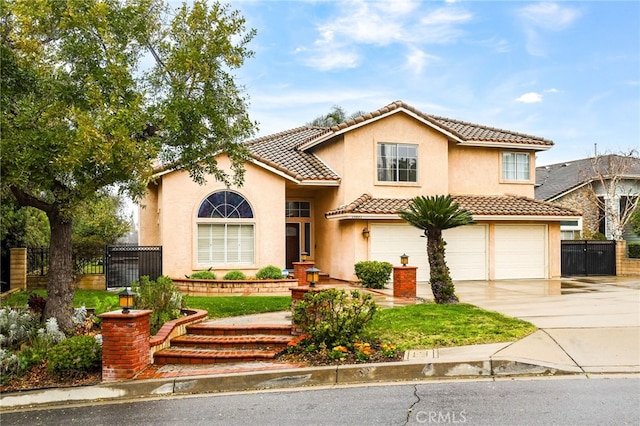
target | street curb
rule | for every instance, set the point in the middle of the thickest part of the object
(414, 370)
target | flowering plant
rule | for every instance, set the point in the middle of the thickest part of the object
(363, 351)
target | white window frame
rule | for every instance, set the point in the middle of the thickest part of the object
(225, 242)
(513, 167)
(396, 178)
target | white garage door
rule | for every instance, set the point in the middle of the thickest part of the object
(520, 251)
(466, 250)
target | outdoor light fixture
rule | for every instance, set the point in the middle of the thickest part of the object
(404, 259)
(303, 256)
(125, 300)
(366, 232)
(313, 276)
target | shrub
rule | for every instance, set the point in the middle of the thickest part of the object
(15, 327)
(75, 355)
(373, 274)
(234, 275)
(161, 296)
(634, 250)
(333, 317)
(37, 304)
(269, 273)
(203, 275)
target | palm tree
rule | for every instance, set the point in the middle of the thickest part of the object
(433, 215)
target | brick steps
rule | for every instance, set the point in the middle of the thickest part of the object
(276, 342)
(207, 343)
(209, 329)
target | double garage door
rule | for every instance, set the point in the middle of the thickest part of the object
(519, 251)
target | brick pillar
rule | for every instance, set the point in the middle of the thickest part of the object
(299, 273)
(404, 281)
(18, 268)
(125, 344)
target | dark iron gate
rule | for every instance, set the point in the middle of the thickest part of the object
(588, 258)
(126, 264)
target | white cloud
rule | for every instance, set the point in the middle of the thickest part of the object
(552, 90)
(417, 59)
(549, 16)
(529, 98)
(544, 17)
(360, 25)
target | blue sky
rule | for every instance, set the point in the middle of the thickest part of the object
(566, 71)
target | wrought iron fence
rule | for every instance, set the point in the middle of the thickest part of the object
(85, 263)
(37, 261)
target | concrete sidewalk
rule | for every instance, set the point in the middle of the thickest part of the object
(586, 327)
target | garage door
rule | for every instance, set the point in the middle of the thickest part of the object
(466, 250)
(520, 251)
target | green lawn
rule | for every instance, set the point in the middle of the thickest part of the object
(229, 306)
(430, 325)
(409, 327)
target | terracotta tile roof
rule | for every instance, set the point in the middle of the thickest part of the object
(555, 179)
(477, 205)
(467, 132)
(286, 152)
(279, 151)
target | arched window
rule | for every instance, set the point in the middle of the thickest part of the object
(225, 230)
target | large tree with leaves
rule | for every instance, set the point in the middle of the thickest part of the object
(434, 214)
(95, 93)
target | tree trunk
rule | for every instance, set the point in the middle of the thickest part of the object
(60, 274)
(441, 284)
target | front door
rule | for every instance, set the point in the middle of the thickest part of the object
(293, 244)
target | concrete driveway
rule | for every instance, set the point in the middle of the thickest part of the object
(592, 323)
(559, 303)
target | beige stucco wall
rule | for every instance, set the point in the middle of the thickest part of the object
(177, 209)
(478, 171)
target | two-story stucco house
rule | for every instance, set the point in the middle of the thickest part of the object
(335, 192)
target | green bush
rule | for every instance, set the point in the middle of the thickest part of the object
(234, 275)
(373, 274)
(203, 275)
(634, 250)
(333, 317)
(269, 273)
(161, 296)
(77, 354)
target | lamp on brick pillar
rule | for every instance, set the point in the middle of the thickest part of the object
(303, 256)
(126, 300)
(404, 260)
(313, 276)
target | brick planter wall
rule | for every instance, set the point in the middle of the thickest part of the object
(624, 264)
(404, 281)
(125, 344)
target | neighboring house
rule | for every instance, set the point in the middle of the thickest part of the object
(578, 185)
(335, 192)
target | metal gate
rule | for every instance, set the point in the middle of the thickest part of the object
(588, 258)
(126, 264)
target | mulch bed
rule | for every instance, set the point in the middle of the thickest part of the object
(40, 378)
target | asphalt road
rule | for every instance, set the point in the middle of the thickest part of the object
(562, 401)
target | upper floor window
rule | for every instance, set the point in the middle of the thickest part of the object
(225, 233)
(397, 162)
(515, 166)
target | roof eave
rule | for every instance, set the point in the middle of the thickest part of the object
(527, 218)
(327, 136)
(514, 145)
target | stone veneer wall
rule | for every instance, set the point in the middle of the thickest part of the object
(583, 201)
